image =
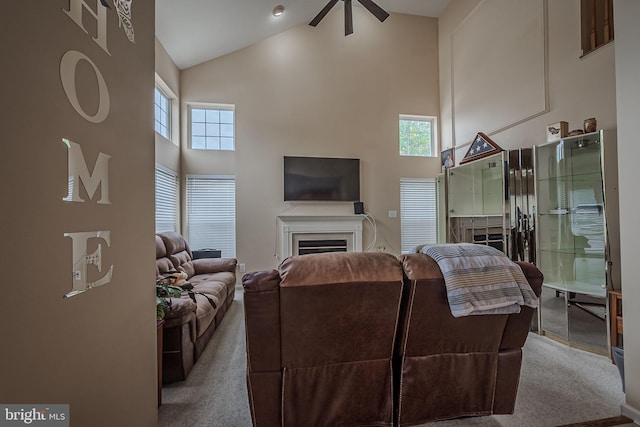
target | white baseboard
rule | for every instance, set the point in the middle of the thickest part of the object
(631, 412)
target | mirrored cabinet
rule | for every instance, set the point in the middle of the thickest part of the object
(522, 205)
(577, 236)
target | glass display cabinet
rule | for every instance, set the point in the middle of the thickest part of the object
(441, 208)
(477, 202)
(576, 218)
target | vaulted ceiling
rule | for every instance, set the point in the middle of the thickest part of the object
(195, 31)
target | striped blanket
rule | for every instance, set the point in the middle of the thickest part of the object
(480, 279)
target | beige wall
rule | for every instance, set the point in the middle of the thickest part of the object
(314, 92)
(95, 351)
(628, 93)
(578, 88)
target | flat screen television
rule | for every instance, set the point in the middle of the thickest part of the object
(321, 179)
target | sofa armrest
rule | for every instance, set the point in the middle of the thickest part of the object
(518, 325)
(179, 307)
(262, 320)
(534, 276)
(214, 265)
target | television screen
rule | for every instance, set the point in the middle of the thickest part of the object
(321, 179)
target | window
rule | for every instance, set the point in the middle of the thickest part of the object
(162, 113)
(418, 224)
(212, 127)
(417, 136)
(211, 213)
(166, 200)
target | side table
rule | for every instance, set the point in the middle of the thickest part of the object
(615, 318)
(159, 326)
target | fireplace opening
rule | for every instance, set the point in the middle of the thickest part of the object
(316, 246)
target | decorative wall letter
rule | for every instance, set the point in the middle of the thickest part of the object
(124, 15)
(75, 13)
(81, 259)
(78, 172)
(68, 65)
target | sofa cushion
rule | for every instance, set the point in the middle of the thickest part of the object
(225, 277)
(163, 265)
(174, 242)
(178, 251)
(212, 288)
(205, 311)
(324, 318)
(184, 263)
(161, 249)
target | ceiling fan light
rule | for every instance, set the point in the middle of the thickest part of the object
(278, 10)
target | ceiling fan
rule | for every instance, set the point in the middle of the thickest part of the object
(376, 10)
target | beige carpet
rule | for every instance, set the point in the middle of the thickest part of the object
(558, 385)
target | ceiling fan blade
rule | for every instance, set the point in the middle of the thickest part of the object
(348, 18)
(376, 10)
(315, 21)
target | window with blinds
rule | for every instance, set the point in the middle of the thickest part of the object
(166, 200)
(418, 224)
(211, 213)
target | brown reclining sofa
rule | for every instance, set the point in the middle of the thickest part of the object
(190, 325)
(368, 339)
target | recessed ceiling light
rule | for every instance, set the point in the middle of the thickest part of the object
(278, 10)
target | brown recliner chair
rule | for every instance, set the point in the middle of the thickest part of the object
(320, 338)
(453, 367)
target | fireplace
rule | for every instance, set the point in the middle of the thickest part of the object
(305, 234)
(304, 243)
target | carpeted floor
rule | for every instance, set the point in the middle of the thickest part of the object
(558, 386)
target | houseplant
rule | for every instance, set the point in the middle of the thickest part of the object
(169, 286)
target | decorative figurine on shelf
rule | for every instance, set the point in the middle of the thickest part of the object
(557, 131)
(590, 125)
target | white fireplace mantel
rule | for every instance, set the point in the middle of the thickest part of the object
(291, 225)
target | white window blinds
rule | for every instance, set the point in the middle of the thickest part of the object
(211, 213)
(166, 200)
(418, 224)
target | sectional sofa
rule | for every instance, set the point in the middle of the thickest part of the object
(369, 339)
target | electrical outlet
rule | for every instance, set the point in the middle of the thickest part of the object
(77, 275)
(243, 267)
(393, 214)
